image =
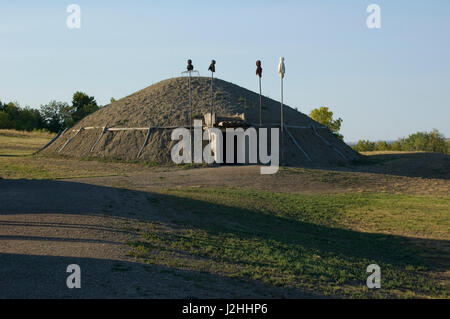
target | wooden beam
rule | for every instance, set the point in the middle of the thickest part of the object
(104, 130)
(70, 139)
(328, 143)
(145, 142)
(297, 144)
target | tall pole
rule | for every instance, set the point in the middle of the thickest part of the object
(282, 123)
(190, 103)
(190, 68)
(212, 68)
(212, 99)
(259, 74)
(260, 104)
(281, 71)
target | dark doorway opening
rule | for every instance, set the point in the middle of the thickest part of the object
(224, 151)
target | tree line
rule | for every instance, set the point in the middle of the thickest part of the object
(54, 116)
(433, 141)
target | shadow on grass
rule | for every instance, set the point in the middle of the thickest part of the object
(425, 165)
(322, 239)
(312, 255)
(16, 155)
(37, 277)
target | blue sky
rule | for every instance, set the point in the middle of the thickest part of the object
(385, 83)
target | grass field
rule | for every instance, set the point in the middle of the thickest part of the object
(318, 235)
(20, 143)
(303, 241)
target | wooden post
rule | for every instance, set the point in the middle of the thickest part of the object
(212, 97)
(190, 104)
(145, 142)
(259, 71)
(297, 144)
(105, 128)
(70, 139)
(282, 123)
(281, 71)
(260, 103)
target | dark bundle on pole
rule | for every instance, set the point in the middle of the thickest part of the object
(190, 66)
(212, 68)
(259, 68)
(259, 74)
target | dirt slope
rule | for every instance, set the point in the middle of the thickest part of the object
(167, 104)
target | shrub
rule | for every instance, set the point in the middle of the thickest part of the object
(432, 141)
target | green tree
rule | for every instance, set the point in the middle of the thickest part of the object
(432, 141)
(57, 115)
(4, 117)
(83, 105)
(12, 116)
(396, 146)
(365, 146)
(4, 120)
(325, 117)
(13, 110)
(29, 119)
(382, 146)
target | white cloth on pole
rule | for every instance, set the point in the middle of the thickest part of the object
(281, 68)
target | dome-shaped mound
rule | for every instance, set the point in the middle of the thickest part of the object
(165, 105)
